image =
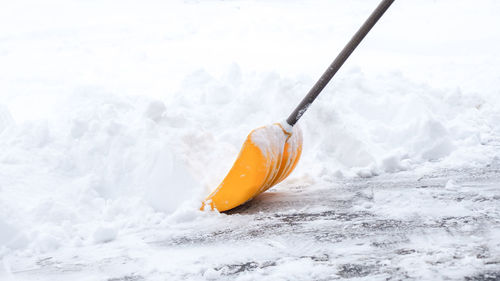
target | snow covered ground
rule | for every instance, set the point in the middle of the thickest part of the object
(397, 226)
(118, 117)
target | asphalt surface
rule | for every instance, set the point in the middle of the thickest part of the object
(440, 225)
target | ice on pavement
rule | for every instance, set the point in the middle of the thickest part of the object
(119, 117)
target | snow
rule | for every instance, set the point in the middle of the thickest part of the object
(104, 234)
(118, 117)
(451, 185)
(269, 139)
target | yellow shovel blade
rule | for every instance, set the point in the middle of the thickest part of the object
(268, 156)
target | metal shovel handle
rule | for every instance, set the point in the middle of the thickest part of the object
(338, 62)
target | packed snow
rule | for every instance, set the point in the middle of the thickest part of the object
(119, 117)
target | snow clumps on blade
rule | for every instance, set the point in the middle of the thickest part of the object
(270, 139)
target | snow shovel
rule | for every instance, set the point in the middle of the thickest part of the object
(270, 153)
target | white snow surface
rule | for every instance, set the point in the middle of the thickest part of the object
(116, 116)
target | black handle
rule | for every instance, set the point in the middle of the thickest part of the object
(338, 62)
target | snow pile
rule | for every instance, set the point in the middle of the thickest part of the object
(101, 160)
(104, 158)
(361, 125)
(371, 125)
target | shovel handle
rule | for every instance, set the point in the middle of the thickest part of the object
(338, 62)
